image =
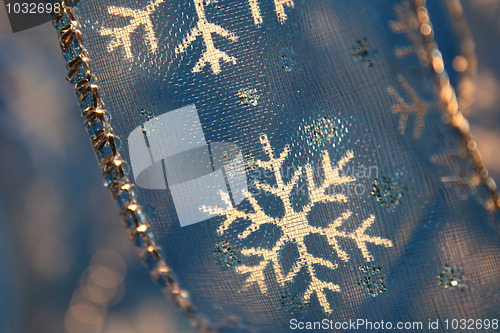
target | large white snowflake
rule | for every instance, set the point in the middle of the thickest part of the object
(295, 226)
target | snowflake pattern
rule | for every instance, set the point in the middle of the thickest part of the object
(211, 55)
(255, 10)
(138, 18)
(462, 177)
(409, 25)
(121, 37)
(417, 107)
(295, 226)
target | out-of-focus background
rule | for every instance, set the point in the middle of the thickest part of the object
(484, 21)
(66, 264)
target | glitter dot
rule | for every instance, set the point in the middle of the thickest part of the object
(374, 280)
(321, 131)
(318, 132)
(226, 254)
(213, 3)
(451, 277)
(293, 303)
(361, 52)
(287, 59)
(249, 162)
(248, 96)
(388, 191)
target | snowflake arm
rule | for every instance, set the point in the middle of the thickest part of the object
(400, 108)
(332, 177)
(332, 233)
(221, 32)
(280, 8)
(309, 260)
(409, 25)
(264, 187)
(217, 210)
(122, 11)
(121, 37)
(255, 10)
(361, 238)
(316, 286)
(191, 37)
(358, 236)
(211, 55)
(257, 271)
(256, 275)
(258, 218)
(232, 214)
(274, 163)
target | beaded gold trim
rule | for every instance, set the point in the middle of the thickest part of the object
(451, 104)
(111, 163)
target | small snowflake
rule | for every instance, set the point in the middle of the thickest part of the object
(462, 177)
